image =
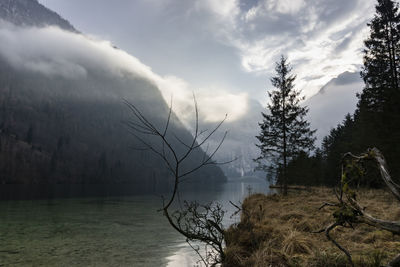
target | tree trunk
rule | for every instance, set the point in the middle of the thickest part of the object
(284, 179)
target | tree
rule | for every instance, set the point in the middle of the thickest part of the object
(378, 111)
(339, 140)
(376, 121)
(284, 130)
(381, 62)
(195, 222)
(304, 169)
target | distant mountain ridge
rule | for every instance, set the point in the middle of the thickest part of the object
(334, 100)
(31, 13)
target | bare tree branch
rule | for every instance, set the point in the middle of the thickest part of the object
(168, 119)
(195, 222)
(328, 236)
(328, 204)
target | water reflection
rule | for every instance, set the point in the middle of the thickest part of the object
(123, 231)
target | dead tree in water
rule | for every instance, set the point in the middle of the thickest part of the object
(349, 212)
(195, 222)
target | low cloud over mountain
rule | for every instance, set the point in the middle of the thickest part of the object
(56, 52)
(333, 101)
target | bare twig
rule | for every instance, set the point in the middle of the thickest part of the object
(204, 226)
(329, 205)
(197, 250)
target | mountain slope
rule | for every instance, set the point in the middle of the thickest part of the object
(330, 105)
(61, 109)
(31, 13)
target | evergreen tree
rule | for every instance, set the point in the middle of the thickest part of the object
(304, 169)
(339, 141)
(376, 121)
(284, 130)
(377, 116)
(381, 62)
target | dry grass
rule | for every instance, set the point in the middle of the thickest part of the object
(276, 231)
(296, 243)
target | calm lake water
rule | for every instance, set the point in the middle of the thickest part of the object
(117, 231)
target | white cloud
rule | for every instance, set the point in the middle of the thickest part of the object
(284, 6)
(213, 102)
(311, 33)
(259, 31)
(234, 105)
(225, 9)
(55, 52)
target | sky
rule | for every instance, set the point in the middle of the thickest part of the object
(230, 46)
(224, 51)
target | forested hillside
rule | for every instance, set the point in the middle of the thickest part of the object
(60, 128)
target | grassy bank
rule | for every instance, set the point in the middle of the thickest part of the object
(276, 230)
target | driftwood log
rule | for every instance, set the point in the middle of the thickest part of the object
(349, 212)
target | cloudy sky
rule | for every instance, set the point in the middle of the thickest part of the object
(230, 45)
(223, 50)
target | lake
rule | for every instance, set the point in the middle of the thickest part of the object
(112, 231)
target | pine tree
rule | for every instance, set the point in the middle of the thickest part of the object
(284, 130)
(381, 62)
(340, 140)
(378, 110)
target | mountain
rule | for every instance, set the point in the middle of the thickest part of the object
(62, 117)
(239, 146)
(31, 13)
(329, 106)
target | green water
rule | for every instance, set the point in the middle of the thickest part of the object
(124, 231)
